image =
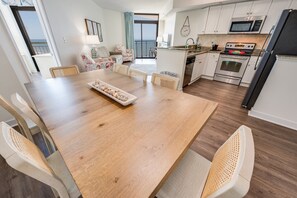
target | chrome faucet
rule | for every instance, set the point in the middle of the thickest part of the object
(187, 45)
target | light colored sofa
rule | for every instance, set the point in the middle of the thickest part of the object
(102, 52)
(128, 54)
(89, 64)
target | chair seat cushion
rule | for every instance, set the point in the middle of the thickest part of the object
(58, 165)
(188, 179)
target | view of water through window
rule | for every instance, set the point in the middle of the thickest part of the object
(145, 35)
(34, 31)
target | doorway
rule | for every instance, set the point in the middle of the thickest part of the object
(30, 27)
(145, 35)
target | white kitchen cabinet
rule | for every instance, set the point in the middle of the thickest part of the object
(293, 4)
(260, 8)
(219, 19)
(250, 71)
(201, 20)
(198, 67)
(224, 21)
(211, 64)
(252, 8)
(212, 19)
(242, 9)
(274, 13)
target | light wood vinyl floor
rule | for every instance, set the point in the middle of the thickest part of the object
(275, 171)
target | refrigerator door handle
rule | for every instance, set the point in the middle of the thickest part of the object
(268, 36)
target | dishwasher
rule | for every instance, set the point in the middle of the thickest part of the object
(189, 70)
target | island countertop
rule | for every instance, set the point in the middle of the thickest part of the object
(191, 51)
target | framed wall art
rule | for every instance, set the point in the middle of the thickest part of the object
(94, 28)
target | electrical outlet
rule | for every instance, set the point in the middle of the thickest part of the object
(65, 40)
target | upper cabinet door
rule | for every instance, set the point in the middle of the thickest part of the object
(274, 13)
(201, 20)
(212, 20)
(225, 19)
(242, 9)
(294, 4)
(260, 8)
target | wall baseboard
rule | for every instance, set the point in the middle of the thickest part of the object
(207, 77)
(243, 84)
(12, 122)
(273, 119)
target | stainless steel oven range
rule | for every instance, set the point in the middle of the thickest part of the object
(233, 62)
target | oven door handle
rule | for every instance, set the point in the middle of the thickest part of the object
(236, 58)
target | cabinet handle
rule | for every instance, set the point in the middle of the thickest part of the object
(247, 13)
(200, 62)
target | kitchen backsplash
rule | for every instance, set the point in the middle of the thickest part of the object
(222, 39)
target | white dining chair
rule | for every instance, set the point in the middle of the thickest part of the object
(165, 81)
(227, 176)
(20, 120)
(24, 156)
(31, 115)
(121, 69)
(137, 74)
(64, 71)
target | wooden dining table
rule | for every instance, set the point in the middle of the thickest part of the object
(113, 150)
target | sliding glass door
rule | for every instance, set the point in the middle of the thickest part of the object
(31, 30)
(145, 35)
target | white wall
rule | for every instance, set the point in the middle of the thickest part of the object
(197, 20)
(277, 101)
(114, 28)
(169, 26)
(161, 27)
(67, 21)
(12, 74)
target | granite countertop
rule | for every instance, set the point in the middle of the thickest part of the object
(194, 52)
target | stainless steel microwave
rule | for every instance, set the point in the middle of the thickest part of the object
(247, 25)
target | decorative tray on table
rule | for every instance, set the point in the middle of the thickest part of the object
(114, 93)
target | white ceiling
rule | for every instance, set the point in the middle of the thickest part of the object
(158, 6)
(140, 6)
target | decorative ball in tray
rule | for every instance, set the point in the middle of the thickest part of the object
(114, 93)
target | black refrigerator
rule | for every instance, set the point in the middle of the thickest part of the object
(282, 42)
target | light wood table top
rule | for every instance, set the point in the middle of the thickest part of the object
(116, 151)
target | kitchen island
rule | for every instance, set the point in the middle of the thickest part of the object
(174, 60)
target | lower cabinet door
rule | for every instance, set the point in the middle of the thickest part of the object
(250, 70)
(198, 66)
(195, 71)
(201, 65)
(211, 64)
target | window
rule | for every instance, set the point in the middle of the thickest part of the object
(31, 30)
(145, 34)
